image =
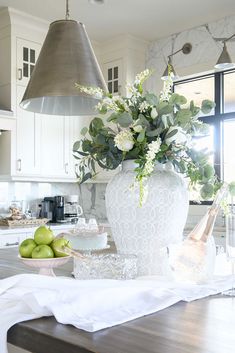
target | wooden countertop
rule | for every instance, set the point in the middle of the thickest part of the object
(203, 326)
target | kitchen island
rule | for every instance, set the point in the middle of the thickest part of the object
(203, 326)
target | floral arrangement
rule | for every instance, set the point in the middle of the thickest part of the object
(146, 128)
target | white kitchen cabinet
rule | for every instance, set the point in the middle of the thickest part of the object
(28, 149)
(26, 56)
(54, 146)
(11, 240)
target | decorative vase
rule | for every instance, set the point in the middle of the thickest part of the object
(146, 231)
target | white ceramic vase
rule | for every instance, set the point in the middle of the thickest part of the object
(146, 231)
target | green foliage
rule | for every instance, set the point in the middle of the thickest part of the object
(134, 123)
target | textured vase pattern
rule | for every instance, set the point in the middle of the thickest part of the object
(146, 231)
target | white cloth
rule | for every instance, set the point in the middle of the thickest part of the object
(92, 305)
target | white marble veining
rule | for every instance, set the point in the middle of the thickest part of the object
(91, 195)
(206, 49)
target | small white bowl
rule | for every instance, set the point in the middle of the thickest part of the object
(45, 265)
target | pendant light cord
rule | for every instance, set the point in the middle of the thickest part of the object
(67, 17)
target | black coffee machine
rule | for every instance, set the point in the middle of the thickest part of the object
(53, 209)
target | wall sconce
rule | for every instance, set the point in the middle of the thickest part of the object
(225, 61)
(170, 71)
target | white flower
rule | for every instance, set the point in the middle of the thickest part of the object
(92, 91)
(133, 90)
(124, 140)
(154, 113)
(144, 106)
(167, 89)
(153, 149)
(154, 146)
(179, 138)
(142, 76)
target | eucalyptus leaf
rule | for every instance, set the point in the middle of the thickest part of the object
(171, 133)
(141, 136)
(153, 133)
(177, 99)
(124, 119)
(143, 121)
(207, 106)
(194, 109)
(113, 117)
(84, 131)
(76, 145)
(183, 116)
(164, 108)
(151, 98)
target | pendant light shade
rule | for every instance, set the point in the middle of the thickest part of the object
(224, 61)
(66, 58)
(169, 71)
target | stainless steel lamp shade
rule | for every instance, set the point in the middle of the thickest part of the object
(224, 61)
(66, 58)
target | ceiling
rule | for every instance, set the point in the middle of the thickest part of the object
(146, 19)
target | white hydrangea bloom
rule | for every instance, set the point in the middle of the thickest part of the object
(124, 140)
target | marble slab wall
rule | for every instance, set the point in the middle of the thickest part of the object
(206, 49)
(91, 196)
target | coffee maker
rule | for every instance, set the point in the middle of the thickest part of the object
(53, 209)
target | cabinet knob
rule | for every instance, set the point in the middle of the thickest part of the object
(66, 168)
(76, 168)
(19, 165)
(19, 74)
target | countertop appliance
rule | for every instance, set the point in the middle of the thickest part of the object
(53, 209)
(72, 210)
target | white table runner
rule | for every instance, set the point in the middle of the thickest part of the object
(92, 305)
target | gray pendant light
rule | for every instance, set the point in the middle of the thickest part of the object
(224, 61)
(66, 58)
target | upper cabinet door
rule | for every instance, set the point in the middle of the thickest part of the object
(27, 140)
(26, 57)
(54, 147)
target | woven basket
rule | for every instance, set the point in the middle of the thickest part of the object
(23, 222)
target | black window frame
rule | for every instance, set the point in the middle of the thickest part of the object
(216, 120)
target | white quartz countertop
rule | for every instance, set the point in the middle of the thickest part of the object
(31, 229)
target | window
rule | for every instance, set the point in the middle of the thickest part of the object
(219, 87)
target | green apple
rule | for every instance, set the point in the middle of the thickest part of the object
(42, 252)
(58, 244)
(43, 235)
(26, 247)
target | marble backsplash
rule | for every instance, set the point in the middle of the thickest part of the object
(91, 196)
